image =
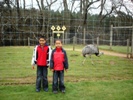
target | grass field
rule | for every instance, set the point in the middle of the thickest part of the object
(109, 78)
(119, 49)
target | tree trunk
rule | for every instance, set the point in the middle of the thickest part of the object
(18, 11)
(66, 16)
(42, 10)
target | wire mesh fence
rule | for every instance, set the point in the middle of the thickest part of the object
(20, 22)
(81, 41)
(21, 25)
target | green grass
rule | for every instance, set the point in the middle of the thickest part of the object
(112, 90)
(120, 49)
(109, 78)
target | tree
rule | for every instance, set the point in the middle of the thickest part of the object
(43, 9)
(116, 6)
(85, 5)
(66, 16)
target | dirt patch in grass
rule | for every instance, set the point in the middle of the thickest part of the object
(112, 63)
(32, 80)
(111, 53)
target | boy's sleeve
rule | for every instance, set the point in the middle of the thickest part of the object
(51, 60)
(49, 55)
(66, 61)
(33, 61)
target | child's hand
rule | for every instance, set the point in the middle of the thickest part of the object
(52, 70)
(66, 70)
(33, 67)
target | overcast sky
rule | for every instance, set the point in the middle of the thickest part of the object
(59, 6)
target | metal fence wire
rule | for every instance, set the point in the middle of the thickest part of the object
(21, 20)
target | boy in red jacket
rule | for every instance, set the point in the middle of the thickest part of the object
(58, 63)
(41, 57)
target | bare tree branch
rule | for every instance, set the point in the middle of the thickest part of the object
(115, 7)
(107, 13)
(38, 4)
(18, 11)
(73, 1)
(86, 9)
(24, 4)
(42, 4)
(65, 5)
(102, 7)
(8, 4)
(51, 2)
(128, 11)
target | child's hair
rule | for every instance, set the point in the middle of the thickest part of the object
(58, 40)
(42, 37)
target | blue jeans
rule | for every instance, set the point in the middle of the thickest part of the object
(58, 75)
(42, 77)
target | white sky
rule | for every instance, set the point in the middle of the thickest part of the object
(59, 6)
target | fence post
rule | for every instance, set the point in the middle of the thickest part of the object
(29, 41)
(132, 45)
(97, 41)
(127, 48)
(64, 38)
(51, 40)
(74, 43)
(84, 37)
(111, 35)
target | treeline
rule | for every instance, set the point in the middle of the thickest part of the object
(19, 25)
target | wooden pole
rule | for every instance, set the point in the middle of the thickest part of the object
(97, 41)
(74, 43)
(51, 40)
(64, 37)
(111, 35)
(29, 41)
(132, 44)
(111, 32)
(84, 37)
(127, 48)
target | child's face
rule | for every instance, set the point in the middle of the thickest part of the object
(58, 44)
(42, 41)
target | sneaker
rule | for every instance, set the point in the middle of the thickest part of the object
(46, 90)
(55, 92)
(37, 90)
(63, 91)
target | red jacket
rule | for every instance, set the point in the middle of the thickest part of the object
(42, 55)
(59, 59)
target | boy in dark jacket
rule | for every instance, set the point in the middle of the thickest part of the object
(41, 57)
(58, 63)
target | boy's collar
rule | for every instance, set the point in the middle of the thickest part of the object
(58, 48)
(44, 45)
